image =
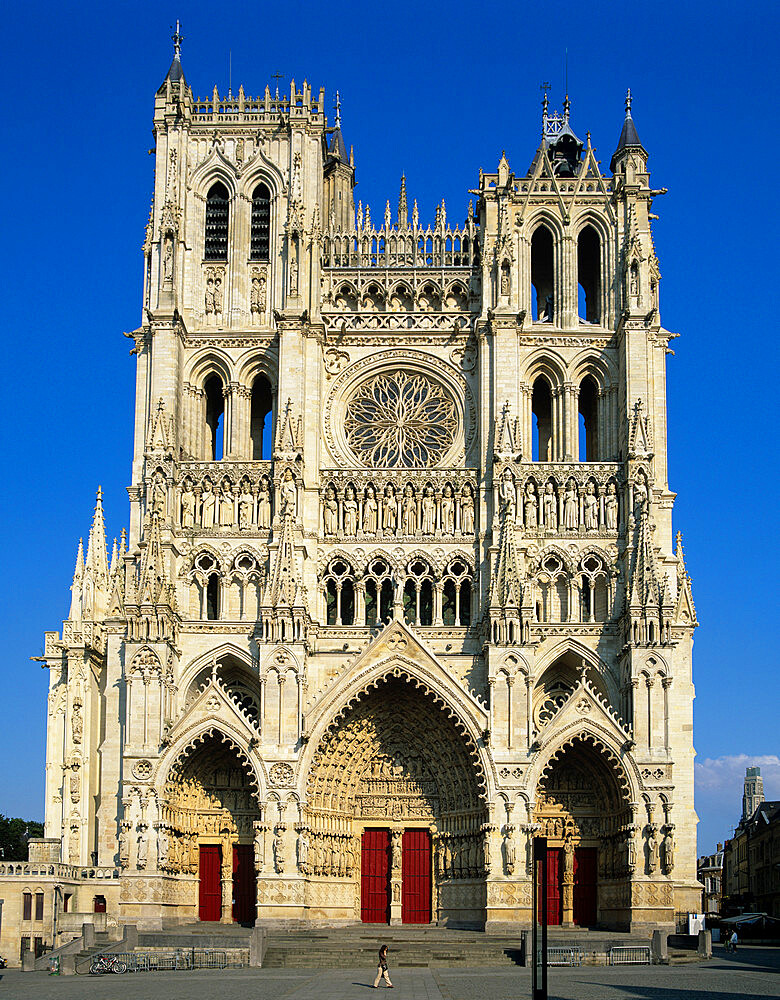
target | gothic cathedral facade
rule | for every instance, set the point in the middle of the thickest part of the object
(400, 589)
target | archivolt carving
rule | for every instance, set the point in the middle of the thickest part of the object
(394, 754)
(195, 738)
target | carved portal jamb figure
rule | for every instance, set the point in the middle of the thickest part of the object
(667, 850)
(331, 512)
(303, 852)
(370, 512)
(531, 507)
(550, 507)
(279, 849)
(350, 512)
(591, 508)
(187, 505)
(467, 511)
(389, 513)
(611, 508)
(652, 849)
(448, 511)
(570, 518)
(288, 494)
(142, 847)
(428, 525)
(409, 511)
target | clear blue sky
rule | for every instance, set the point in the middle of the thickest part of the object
(437, 90)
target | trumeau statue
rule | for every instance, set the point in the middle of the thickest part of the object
(331, 624)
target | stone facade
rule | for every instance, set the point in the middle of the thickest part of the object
(400, 551)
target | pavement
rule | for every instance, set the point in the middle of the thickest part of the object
(751, 973)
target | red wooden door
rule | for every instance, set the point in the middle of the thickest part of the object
(585, 879)
(210, 892)
(552, 873)
(416, 877)
(375, 877)
(244, 883)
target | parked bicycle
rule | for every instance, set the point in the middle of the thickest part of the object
(107, 963)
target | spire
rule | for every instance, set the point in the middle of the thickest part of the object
(403, 207)
(685, 612)
(337, 148)
(96, 563)
(284, 584)
(114, 561)
(76, 586)
(507, 591)
(644, 584)
(629, 138)
(175, 72)
(153, 583)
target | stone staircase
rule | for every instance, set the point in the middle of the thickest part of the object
(419, 947)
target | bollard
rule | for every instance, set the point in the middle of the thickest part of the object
(705, 944)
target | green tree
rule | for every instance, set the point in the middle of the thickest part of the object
(14, 835)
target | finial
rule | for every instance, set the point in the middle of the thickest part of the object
(177, 37)
(277, 77)
(545, 102)
(628, 103)
(337, 107)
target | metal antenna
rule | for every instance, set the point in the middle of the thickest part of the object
(277, 77)
(337, 109)
(230, 72)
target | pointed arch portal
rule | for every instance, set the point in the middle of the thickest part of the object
(583, 809)
(396, 778)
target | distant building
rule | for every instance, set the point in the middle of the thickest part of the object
(709, 870)
(751, 859)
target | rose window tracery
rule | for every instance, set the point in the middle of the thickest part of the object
(400, 419)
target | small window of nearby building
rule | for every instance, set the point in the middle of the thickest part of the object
(27, 907)
(99, 904)
(66, 902)
(39, 906)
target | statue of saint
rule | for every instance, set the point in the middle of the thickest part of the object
(370, 512)
(331, 512)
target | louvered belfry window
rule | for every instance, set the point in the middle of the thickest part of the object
(261, 223)
(217, 212)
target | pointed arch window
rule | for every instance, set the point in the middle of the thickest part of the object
(212, 598)
(215, 418)
(542, 275)
(589, 276)
(541, 409)
(261, 223)
(588, 407)
(217, 217)
(261, 419)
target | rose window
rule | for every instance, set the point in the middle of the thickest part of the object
(400, 419)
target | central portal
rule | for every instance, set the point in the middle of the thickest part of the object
(396, 783)
(378, 868)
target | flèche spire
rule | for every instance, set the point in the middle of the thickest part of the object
(403, 206)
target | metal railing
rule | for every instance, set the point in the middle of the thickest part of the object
(181, 959)
(565, 956)
(629, 955)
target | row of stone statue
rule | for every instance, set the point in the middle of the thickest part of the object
(347, 512)
(568, 508)
(465, 855)
(244, 506)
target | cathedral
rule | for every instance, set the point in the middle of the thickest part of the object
(399, 589)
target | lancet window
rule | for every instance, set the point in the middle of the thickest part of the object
(214, 437)
(587, 405)
(541, 408)
(542, 275)
(261, 224)
(418, 594)
(261, 419)
(456, 594)
(217, 218)
(589, 276)
(339, 583)
(378, 592)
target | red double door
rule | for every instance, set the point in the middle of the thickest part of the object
(415, 877)
(244, 883)
(585, 884)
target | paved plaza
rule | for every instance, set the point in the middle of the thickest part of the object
(752, 972)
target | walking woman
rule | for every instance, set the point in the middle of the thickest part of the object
(381, 972)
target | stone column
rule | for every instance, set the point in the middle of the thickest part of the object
(568, 882)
